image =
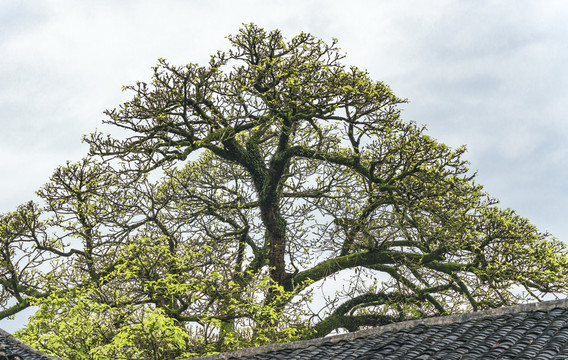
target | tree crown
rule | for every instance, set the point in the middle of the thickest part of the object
(281, 168)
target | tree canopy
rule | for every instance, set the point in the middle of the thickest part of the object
(240, 189)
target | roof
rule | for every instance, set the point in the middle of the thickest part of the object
(15, 349)
(529, 331)
(538, 330)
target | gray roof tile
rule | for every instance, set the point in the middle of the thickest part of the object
(531, 331)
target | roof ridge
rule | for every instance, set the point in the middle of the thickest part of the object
(403, 325)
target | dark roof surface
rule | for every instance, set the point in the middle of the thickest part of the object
(532, 331)
(14, 349)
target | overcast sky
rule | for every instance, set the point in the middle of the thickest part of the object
(488, 74)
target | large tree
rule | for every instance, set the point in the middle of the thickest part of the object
(241, 187)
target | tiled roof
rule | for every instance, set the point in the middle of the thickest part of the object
(532, 331)
(14, 349)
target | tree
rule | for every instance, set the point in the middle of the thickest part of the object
(279, 168)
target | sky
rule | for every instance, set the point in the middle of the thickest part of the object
(487, 74)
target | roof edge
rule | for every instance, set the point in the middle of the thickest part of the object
(25, 346)
(439, 320)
